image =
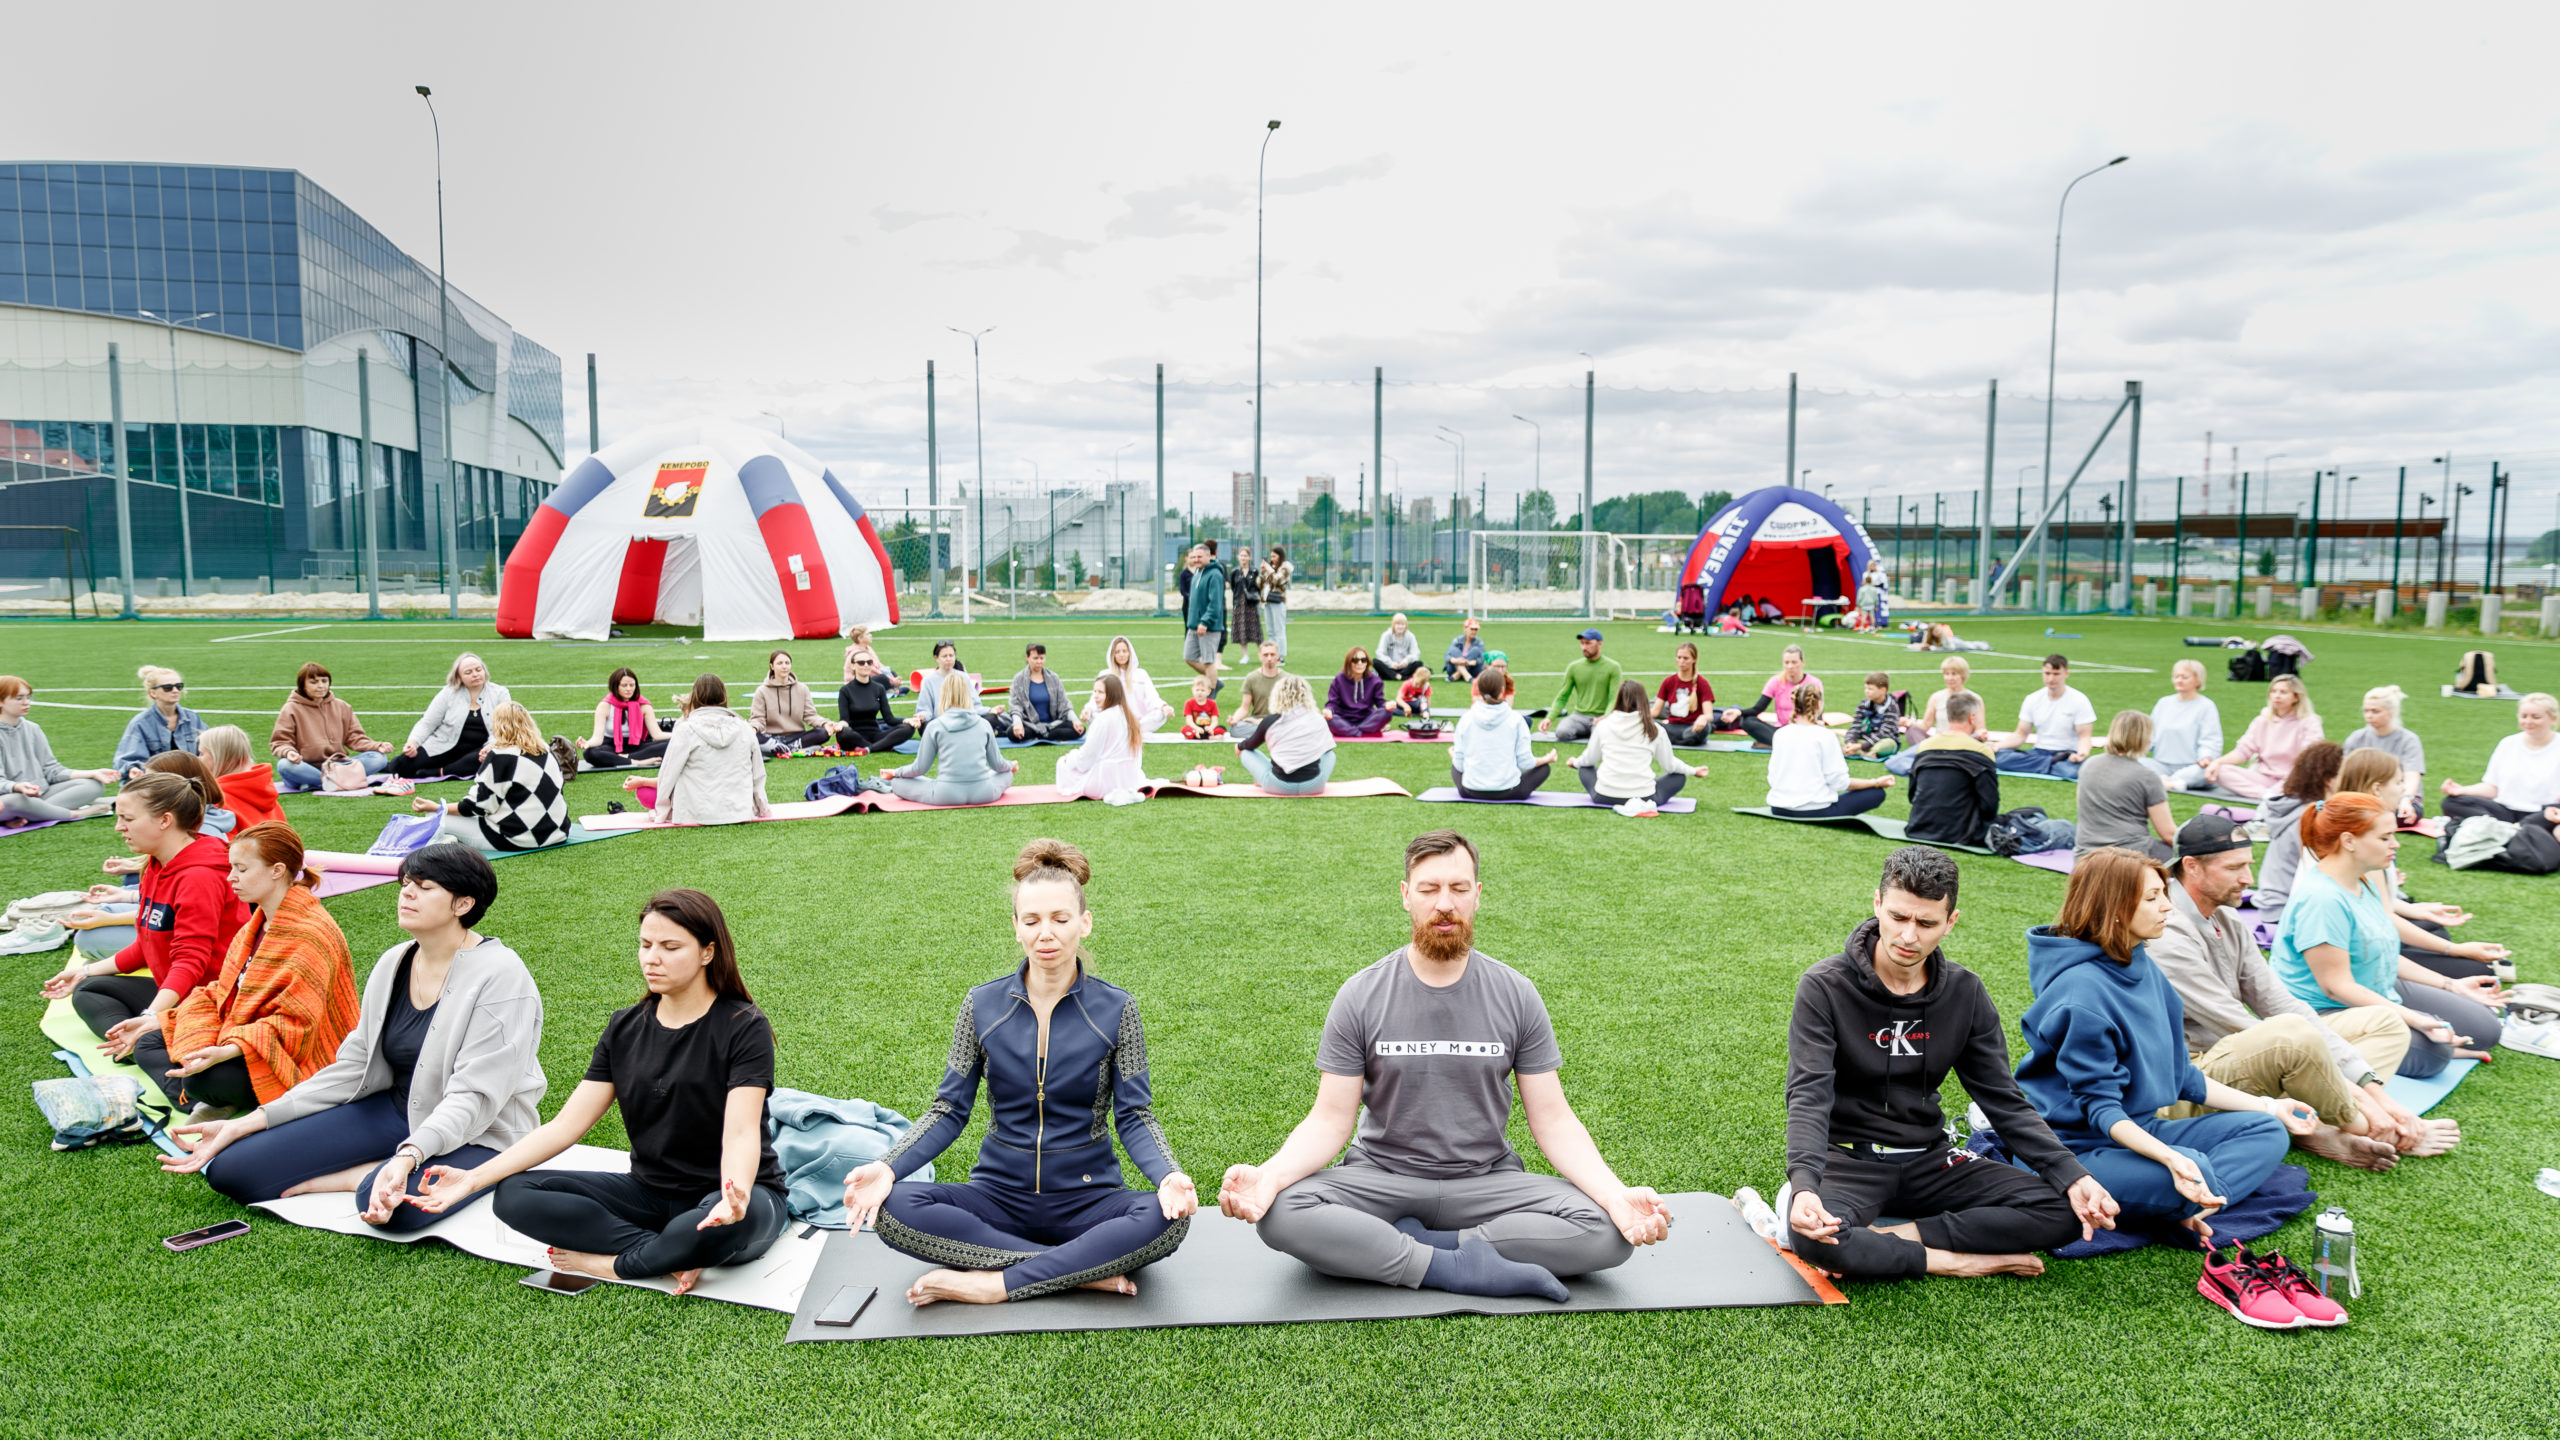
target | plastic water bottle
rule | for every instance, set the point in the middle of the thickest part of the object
(2337, 1251)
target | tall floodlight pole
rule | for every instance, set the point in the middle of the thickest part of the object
(2444, 497)
(1982, 531)
(1378, 467)
(1791, 429)
(932, 497)
(178, 429)
(1258, 168)
(1155, 520)
(124, 497)
(978, 409)
(2052, 341)
(1458, 491)
(444, 390)
(1124, 512)
(1590, 399)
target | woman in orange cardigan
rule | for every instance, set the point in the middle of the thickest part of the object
(285, 998)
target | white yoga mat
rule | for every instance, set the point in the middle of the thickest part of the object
(772, 1281)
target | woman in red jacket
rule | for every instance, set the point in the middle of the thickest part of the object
(188, 916)
(248, 788)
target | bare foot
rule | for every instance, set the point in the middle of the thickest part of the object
(2363, 1152)
(1116, 1285)
(2468, 1054)
(686, 1280)
(2433, 1137)
(970, 1287)
(337, 1181)
(1952, 1262)
(578, 1262)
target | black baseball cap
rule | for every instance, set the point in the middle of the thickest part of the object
(2211, 835)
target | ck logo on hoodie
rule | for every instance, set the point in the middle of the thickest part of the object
(160, 915)
(1896, 1038)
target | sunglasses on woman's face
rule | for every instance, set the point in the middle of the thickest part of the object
(1359, 659)
(174, 685)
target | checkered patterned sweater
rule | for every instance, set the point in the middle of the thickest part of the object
(519, 800)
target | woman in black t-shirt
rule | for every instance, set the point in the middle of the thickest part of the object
(691, 1066)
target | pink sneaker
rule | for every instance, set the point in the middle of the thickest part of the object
(2316, 1309)
(2239, 1286)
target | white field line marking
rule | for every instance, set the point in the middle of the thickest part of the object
(262, 634)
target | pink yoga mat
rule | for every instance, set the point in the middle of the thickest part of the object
(2057, 861)
(787, 810)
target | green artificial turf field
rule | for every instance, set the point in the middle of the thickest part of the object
(1667, 950)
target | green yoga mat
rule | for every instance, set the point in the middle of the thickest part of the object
(1883, 825)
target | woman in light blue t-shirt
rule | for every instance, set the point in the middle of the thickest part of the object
(2339, 945)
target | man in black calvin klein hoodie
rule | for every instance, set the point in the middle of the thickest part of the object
(1876, 1029)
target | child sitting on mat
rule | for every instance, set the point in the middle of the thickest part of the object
(1413, 698)
(1875, 730)
(1200, 713)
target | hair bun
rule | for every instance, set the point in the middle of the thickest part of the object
(1047, 854)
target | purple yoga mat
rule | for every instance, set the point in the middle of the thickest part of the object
(7, 830)
(1676, 805)
(2057, 861)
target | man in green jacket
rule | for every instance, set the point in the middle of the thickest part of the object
(1204, 617)
(1590, 688)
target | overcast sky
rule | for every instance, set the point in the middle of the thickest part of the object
(2335, 238)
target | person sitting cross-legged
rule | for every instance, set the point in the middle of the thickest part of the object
(1045, 1210)
(963, 743)
(1464, 658)
(2053, 728)
(1877, 1028)
(1355, 704)
(1036, 705)
(1420, 1053)
(1590, 688)
(1955, 784)
(1808, 778)
(2245, 1029)
(1292, 753)
(1256, 708)
(864, 705)
(1629, 761)
(1489, 757)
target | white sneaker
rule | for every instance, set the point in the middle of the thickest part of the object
(1974, 1118)
(1786, 1204)
(2532, 1037)
(1636, 808)
(1756, 1213)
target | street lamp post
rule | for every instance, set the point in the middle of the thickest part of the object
(978, 407)
(444, 391)
(1260, 165)
(2444, 497)
(1457, 494)
(178, 430)
(2053, 337)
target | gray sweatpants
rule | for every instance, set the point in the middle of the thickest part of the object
(56, 803)
(1342, 1222)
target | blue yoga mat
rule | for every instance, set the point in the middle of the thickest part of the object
(2421, 1096)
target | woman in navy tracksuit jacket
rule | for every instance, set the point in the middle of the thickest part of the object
(1059, 1051)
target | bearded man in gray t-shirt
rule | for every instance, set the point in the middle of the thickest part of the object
(1422, 1050)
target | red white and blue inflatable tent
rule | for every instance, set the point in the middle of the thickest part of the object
(707, 523)
(1781, 544)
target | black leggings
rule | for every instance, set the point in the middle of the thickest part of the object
(2439, 962)
(1762, 732)
(605, 757)
(462, 759)
(226, 1084)
(1406, 671)
(1957, 1201)
(815, 738)
(1848, 802)
(1530, 780)
(2536, 848)
(876, 738)
(1664, 786)
(106, 1001)
(1061, 730)
(647, 1232)
(1690, 737)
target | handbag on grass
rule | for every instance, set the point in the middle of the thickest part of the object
(344, 774)
(86, 1110)
(404, 833)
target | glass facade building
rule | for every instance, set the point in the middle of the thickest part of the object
(295, 284)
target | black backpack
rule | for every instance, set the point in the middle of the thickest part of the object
(2016, 832)
(2249, 667)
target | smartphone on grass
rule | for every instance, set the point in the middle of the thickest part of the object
(209, 1235)
(558, 1282)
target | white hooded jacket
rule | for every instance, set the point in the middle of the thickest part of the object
(713, 773)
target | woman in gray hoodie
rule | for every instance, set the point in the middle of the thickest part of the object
(34, 785)
(713, 773)
(443, 1068)
(974, 770)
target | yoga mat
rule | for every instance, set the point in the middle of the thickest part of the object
(1225, 1275)
(785, 810)
(342, 871)
(2286, 1194)
(2505, 692)
(373, 792)
(8, 830)
(2421, 1096)
(1556, 799)
(2057, 861)
(1337, 790)
(1883, 825)
(771, 1281)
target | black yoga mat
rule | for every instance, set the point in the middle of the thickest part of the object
(1225, 1275)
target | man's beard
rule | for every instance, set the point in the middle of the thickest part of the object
(1443, 949)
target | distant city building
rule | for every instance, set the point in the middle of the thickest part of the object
(1419, 510)
(1313, 486)
(1458, 510)
(286, 287)
(1281, 515)
(1240, 499)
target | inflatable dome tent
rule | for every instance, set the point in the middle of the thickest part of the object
(707, 523)
(1780, 544)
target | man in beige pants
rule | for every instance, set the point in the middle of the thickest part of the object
(2248, 1031)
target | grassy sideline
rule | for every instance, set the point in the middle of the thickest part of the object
(1666, 949)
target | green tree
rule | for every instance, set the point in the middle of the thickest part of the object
(2546, 548)
(1711, 502)
(2267, 562)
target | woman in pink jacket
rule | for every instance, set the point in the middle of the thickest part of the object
(2282, 731)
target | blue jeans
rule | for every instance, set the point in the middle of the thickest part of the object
(269, 1163)
(2236, 1151)
(1900, 762)
(929, 790)
(1275, 624)
(2055, 763)
(302, 775)
(1259, 765)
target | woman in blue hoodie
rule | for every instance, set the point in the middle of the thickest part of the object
(2106, 1050)
(1490, 759)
